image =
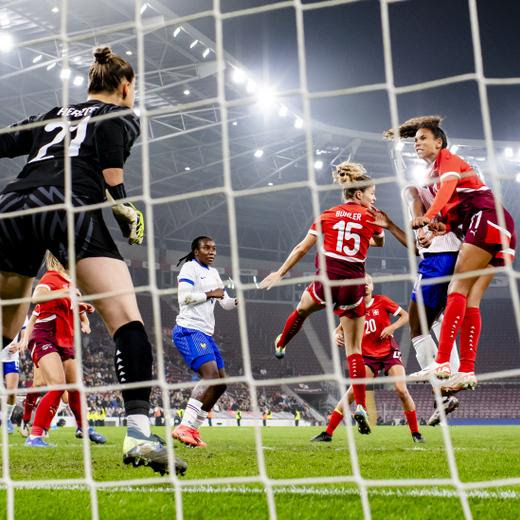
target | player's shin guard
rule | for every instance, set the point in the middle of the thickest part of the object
(133, 362)
(46, 411)
(292, 326)
(75, 406)
(356, 370)
(469, 337)
(451, 324)
(411, 419)
(425, 349)
(335, 418)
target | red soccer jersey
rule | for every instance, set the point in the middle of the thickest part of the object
(59, 309)
(449, 166)
(346, 232)
(377, 317)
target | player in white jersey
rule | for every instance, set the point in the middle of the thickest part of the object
(200, 287)
(10, 357)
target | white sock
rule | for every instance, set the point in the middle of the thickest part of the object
(454, 358)
(139, 422)
(425, 349)
(191, 412)
(200, 419)
(10, 408)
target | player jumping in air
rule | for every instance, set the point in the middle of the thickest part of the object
(380, 353)
(347, 231)
(200, 287)
(97, 151)
(462, 203)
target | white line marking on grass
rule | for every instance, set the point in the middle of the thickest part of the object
(298, 490)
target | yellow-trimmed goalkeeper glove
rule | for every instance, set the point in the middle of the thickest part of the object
(128, 217)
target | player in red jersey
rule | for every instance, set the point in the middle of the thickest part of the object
(462, 203)
(347, 231)
(51, 345)
(380, 353)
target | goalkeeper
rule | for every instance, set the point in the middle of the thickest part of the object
(101, 132)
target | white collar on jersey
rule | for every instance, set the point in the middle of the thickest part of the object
(369, 304)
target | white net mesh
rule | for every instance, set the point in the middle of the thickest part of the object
(208, 123)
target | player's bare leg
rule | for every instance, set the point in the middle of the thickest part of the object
(407, 401)
(132, 358)
(13, 286)
(202, 399)
(294, 322)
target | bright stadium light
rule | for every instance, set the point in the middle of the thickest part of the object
(399, 146)
(206, 53)
(270, 184)
(129, 53)
(4, 20)
(78, 81)
(65, 73)
(177, 31)
(251, 87)
(454, 148)
(144, 7)
(266, 98)
(283, 111)
(38, 58)
(6, 42)
(55, 10)
(259, 153)
(235, 123)
(51, 65)
(318, 164)
(187, 168)
(186, 92)
(298, 122)
(508, 152)
(193, 43)
(517, 178)
(238, 76)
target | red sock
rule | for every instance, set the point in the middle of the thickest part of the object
(75, 406)
(30, 403)
(356, 370)
(451, 324)
(292, 326)
(46, 411)
(411, 419)
(335, 418)
(469, 336)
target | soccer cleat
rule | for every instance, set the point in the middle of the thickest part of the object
(93, 435)
(38, 442)
(322, 437)
(139, 450)
(417, 437)
(279, 352)
(25, 428)
(186, 435)
(196, 436)
(449, 405)
(439, 370)
(361, 417)
(462, 381)
(10, 427)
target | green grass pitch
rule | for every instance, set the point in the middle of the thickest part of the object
(482, 453)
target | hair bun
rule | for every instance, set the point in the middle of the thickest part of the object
(102, 55)
(348, 172)
(410, 127)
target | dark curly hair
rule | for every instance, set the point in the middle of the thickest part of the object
(409, 128)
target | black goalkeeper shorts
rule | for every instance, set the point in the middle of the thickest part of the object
(24, 239)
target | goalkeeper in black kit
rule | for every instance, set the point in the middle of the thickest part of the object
(101, 133)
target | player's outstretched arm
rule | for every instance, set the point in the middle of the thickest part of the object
(381, 219)
(294, 257)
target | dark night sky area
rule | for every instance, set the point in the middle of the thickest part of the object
(431, 39)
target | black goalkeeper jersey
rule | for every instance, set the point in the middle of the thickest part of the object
(93, 147)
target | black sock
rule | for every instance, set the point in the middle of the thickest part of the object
(133, 362)
(5, 341)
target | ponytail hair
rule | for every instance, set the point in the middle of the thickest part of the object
(108, 71)
(53, 264)
(194, 246)
(352, 177)
(409, 128)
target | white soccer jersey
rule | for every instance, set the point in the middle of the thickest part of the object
(440, 244)
(5, 355)
(196, 311)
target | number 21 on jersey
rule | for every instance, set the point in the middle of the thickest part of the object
(345, 233)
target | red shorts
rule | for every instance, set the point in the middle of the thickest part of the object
(43, 342)
(348, 300)
(376, 364)
(482, 229)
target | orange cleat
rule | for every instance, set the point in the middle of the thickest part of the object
(186, 435)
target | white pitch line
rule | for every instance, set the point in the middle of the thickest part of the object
(301, 490)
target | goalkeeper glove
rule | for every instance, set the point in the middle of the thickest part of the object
(128, 217)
